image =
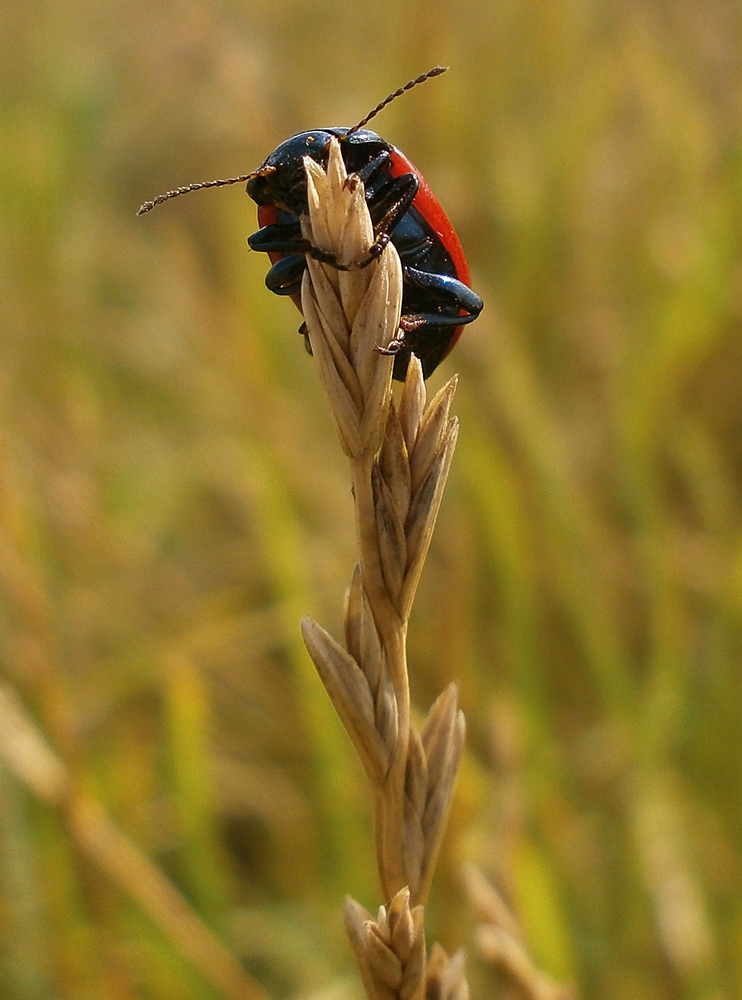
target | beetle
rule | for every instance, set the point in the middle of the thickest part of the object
(437, 300)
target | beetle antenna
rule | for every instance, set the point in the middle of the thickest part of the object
(199, 186)
(435, 71)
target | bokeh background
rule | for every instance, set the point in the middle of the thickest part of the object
(173, 498)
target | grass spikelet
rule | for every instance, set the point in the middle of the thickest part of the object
(446, 978)
(389, 951)
(399, 460)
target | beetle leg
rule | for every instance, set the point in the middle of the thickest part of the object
(392, 200)
(372, 169)
(390, 203)
(284, 278)
(431, 335)
(446, 292)
(287, 239)
(278, 238)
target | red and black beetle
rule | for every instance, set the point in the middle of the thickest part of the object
(437, 301)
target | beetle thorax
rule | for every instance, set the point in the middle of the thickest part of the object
(284, 182)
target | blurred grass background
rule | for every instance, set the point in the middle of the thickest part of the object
(173, 497)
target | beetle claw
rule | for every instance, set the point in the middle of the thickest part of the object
(393, 348)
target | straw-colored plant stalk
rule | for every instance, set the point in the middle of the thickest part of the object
(399, 458)
(501, 942)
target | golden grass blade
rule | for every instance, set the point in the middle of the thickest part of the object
(446, 977)
(391, 537)
(500, 940)
(28, 756)
(351, 696)
(394, 463)
(443, 741)
(431, 430)
(412, 404)
(423, 513)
